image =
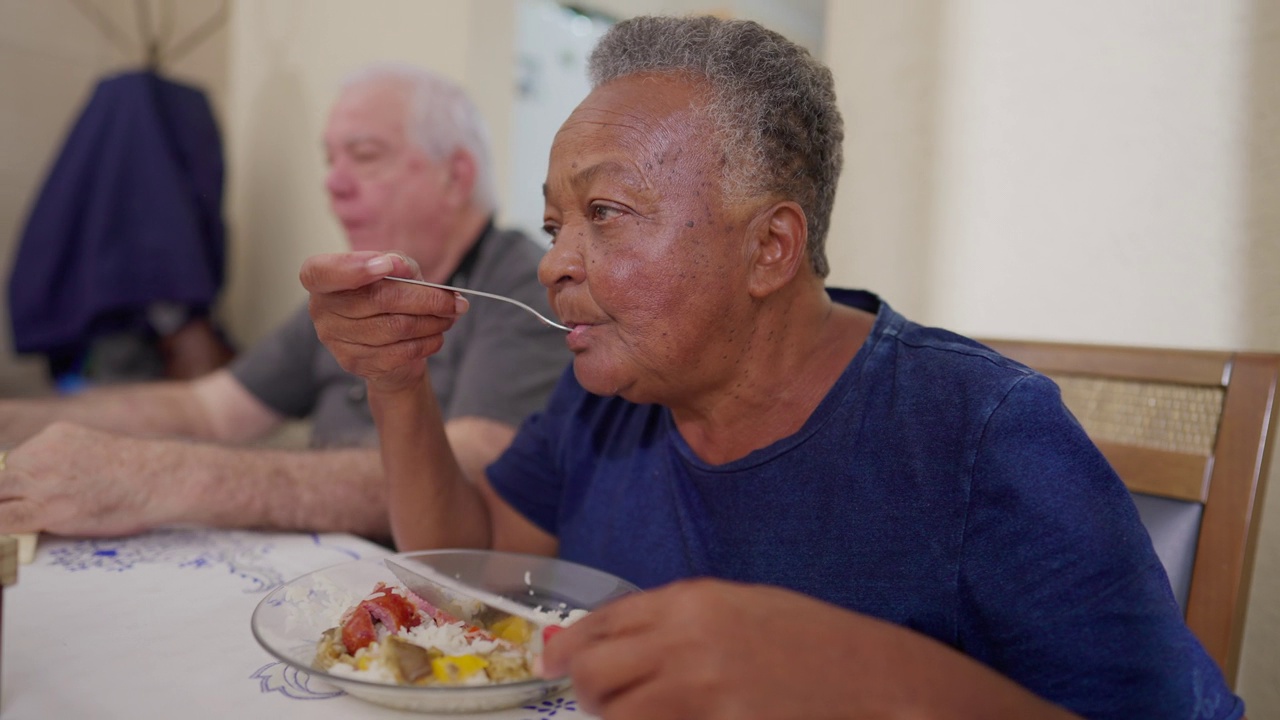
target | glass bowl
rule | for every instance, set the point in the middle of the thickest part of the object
(288, 622)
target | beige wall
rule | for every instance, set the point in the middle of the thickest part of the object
(1088, 171)
(51, 57)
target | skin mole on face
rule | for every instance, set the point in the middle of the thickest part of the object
(689, 223)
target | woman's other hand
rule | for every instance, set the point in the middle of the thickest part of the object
(718, 650)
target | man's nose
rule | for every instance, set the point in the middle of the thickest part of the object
(338, 182)
(563, 263)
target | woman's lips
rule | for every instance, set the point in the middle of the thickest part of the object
(578, 336)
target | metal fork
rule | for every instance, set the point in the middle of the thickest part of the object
(545, 321)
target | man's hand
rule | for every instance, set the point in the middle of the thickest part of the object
(380, 331)
(715, 650)
(73, 480)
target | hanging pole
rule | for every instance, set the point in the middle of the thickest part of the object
(198, 35)
(155, 42)
(113, 34)
(150, 44)
(166, 23)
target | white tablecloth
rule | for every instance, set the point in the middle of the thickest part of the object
(157, 626)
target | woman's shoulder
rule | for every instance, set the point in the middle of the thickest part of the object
(933, 355)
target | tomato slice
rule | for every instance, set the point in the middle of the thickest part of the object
(392, 610)
(357, 631)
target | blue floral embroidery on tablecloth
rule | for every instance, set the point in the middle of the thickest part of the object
(243, 554)
(291, 682)
(553, 707)
(318, 542)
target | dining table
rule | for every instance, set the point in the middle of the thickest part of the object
(157, 625)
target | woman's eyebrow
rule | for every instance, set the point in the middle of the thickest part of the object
(607, 167)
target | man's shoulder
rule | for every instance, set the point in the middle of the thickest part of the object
(291, 335)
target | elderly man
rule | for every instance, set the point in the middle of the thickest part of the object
(964, 549)
(409, 171)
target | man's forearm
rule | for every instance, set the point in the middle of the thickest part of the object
(314, 490)
(75, 480)
(159, 408)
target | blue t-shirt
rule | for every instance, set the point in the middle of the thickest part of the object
(938, 485)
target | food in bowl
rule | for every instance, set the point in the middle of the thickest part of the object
(289, 621)
(394, 636)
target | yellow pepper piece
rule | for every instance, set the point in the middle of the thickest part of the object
(457, 668)
(512, 629)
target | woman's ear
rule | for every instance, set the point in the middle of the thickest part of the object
(779, 247)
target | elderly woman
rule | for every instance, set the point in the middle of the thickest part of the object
(727, 416)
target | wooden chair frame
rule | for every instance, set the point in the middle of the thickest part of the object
(1229, 483)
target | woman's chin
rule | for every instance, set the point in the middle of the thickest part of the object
(597, 378)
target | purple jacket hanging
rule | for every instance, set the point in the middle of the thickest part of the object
(130, 214)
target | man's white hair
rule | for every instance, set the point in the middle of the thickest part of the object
(441, 119)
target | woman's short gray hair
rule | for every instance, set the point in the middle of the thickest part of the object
(441, 119)
(773, 103)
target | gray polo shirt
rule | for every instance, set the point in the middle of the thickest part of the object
(497, 362)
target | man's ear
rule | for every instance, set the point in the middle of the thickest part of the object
(462, 177)
(779, 247)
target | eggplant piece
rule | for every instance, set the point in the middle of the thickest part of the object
(412, 663)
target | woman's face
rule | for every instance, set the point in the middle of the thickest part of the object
(648, 263)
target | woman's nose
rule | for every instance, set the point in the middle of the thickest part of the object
(562, 264)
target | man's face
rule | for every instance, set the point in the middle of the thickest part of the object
(649, 261)
(382, 187)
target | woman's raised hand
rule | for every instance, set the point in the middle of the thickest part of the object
(381, 331)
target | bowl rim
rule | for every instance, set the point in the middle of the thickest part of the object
(342, 681)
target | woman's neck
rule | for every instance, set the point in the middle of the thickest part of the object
(800, 347)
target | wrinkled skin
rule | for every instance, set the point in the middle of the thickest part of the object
(79, 503)
(714, 650)
(677, 294)
(378, 329)
(649, 264)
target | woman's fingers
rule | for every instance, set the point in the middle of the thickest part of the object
(335, 272)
